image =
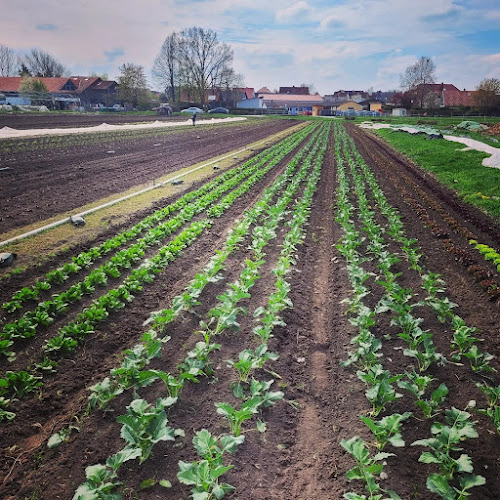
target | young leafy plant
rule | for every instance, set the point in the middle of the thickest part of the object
(236, 417)
(387, 429)
(144, 425)
(380, 387)
(367, 469)
(446, 442)
(204, 474)
(430, 406)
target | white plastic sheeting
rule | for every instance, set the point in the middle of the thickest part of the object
(8, 133)
(492, 161)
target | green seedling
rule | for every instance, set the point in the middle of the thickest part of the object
(479, 361)
(463, 338)
(380, 387)
(367, 469)
(436, 483)
(416, 384)
(103, 479)
(430, 406)
(236, 417)
(144, 425)
(387, 429)
(249, 360)
(445, 443)
(493, 397)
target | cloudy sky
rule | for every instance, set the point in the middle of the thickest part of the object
(334, 44)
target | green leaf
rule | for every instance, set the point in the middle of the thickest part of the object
(165, 483)
(148, 483)
(261, 426)
(55, 440)
(393, 495)
(428, 458)
(397, 441)
(438, 484)
(354, 496)
(220, 470)
(230, 443)
(354, 473)
(464, 464)
(187, 473)
(128, 453)
(468, 481)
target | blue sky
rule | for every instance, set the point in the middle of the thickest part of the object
(350, 44)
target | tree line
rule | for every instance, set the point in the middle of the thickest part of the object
(194, 61)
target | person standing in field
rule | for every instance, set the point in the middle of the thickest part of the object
(193, 117)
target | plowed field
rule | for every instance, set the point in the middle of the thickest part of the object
(254, 272)
(45, 181)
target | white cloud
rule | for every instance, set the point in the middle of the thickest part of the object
(358, 44)
(293, 12)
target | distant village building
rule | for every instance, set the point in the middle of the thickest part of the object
(62, 93)
(289, 100)
(442, 95)
(294, 90)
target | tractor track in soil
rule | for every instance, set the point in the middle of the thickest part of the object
(34, 189)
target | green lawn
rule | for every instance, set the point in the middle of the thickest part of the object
(445, 126)
(461, 171)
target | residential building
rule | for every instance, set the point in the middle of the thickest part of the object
(294, 90)
(63, 93)
(291, 104)
(442, 95)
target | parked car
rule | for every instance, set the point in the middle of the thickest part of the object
(219, 110)
(192, 110)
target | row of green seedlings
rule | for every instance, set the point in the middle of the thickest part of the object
(464, 343)
(368, 466)
(132, 373)
(380, 390)
(85, 259)
(481, 274)
(17, 384)
(104, 391)
(440, 445)
(441, 389)
(46, 311)
(204, 474)
(201, 475)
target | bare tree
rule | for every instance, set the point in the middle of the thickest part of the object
(204, 61)
(166, 70)
(39, 63)
(132, 84)
(8, 63)
(416, 78)
(487, 96)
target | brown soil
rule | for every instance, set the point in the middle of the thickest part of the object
(47, 120)
(53, 180)
(299, 457)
